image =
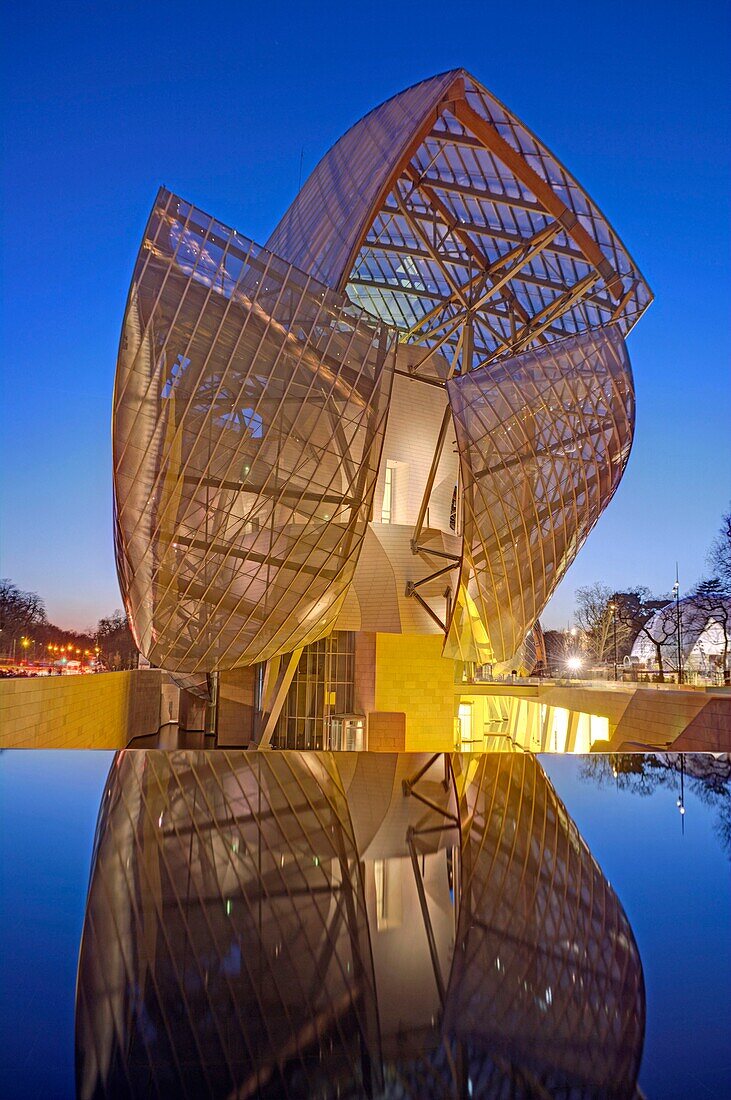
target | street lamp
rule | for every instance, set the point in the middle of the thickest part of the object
(676, 590)
(613, 609)
(681, 799)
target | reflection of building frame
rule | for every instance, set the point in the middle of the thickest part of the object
(250, 905)
(571, 931)
(288, 924)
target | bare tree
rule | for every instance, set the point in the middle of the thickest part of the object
(712, 598)
(719, 557)
(20, 612)
(707, 776)
(594, 617)
(599, 609)
(115, 640)
(658, 626)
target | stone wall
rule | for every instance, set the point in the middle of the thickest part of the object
(235, 721)
(102, 711)
(413, 678)
(386, 731)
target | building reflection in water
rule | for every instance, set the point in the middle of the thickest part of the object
(338, 925)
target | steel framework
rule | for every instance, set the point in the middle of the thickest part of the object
(443, 217)
(249, 414)
(543, 438)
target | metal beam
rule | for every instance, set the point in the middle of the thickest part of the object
(439, 260)
(228, 551)
(413, 585)
(432, 614)
(435, 553)
(426, 917)
(543, 191)
(275, 692)
(446, 418)
(264, 490)
(500, 198)
(451, 93)
(484, 230)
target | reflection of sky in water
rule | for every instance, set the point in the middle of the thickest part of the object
(49, 803)
(674, 889)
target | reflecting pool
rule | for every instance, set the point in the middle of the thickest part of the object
(290, 924)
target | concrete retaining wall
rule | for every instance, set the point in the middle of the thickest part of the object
(101, 711)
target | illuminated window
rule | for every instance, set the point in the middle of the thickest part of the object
(387, 874)
(326, 668)
(559, 729)
(465, 726)
(388, 490)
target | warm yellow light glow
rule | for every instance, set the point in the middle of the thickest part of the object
(574, 664)
(465, 726)
(387, 494)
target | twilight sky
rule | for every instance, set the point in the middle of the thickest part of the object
(219, 101)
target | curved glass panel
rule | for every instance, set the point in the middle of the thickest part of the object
(249, 414)
(226, 937)
(543, 439)
(441, 213)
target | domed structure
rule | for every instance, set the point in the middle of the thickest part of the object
(705, 633)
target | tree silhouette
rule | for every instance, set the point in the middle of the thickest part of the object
(658, 626)
(719, 556)
(707, 776)
(712, 598)
(20, 612)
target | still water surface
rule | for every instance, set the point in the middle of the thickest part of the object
(293, 924)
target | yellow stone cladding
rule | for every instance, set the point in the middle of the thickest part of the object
(102, 711)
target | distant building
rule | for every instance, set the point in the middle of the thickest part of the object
(702, 639)
(371, 449)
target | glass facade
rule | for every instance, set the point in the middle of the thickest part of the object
(543, 441)
(439, 241)
(322, 687)
(249, 413)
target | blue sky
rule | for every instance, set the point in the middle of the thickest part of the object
(104, 102)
